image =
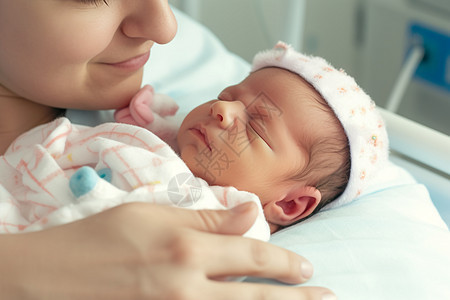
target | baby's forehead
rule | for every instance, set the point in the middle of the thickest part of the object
(294, 96)
(285, 79)
(282, 76)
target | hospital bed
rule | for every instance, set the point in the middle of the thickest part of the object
(391, 242)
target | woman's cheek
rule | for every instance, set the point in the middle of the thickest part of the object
(83, 44)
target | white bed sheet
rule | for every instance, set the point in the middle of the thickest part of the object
(390, 243)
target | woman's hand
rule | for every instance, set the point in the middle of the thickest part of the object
(146, 251)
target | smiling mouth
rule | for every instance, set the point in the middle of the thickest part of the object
(133, 63)
(201, 134)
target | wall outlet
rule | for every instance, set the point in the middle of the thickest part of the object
(435, 65)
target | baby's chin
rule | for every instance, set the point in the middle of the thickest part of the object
(197, 169)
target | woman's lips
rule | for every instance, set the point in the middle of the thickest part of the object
(132, 64)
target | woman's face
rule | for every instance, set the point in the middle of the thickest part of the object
(82, 54)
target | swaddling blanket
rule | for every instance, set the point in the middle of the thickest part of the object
(60, 172)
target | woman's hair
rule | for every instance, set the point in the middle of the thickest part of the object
(328, 166)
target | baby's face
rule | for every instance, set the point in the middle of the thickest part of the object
(253, 136)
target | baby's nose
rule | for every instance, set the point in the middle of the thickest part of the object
(227, 112)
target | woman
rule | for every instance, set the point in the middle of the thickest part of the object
(89, 54)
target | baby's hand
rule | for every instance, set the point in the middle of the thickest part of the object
(155, 112)
(162, 104)
(144, 105)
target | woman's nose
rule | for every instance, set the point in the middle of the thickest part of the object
(151, 20)
(227, 112)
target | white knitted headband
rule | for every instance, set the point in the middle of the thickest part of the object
(355, 110)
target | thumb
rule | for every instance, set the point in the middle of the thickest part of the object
(235, 221)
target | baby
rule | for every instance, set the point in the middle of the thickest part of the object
(296, 132)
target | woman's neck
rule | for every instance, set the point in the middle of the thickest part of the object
(18, 115)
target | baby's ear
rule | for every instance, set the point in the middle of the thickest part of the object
(296, 205)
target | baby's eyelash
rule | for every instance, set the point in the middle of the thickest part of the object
(260, 130)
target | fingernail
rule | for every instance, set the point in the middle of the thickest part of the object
(241, 208)
(307, 269)
(329, 296)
